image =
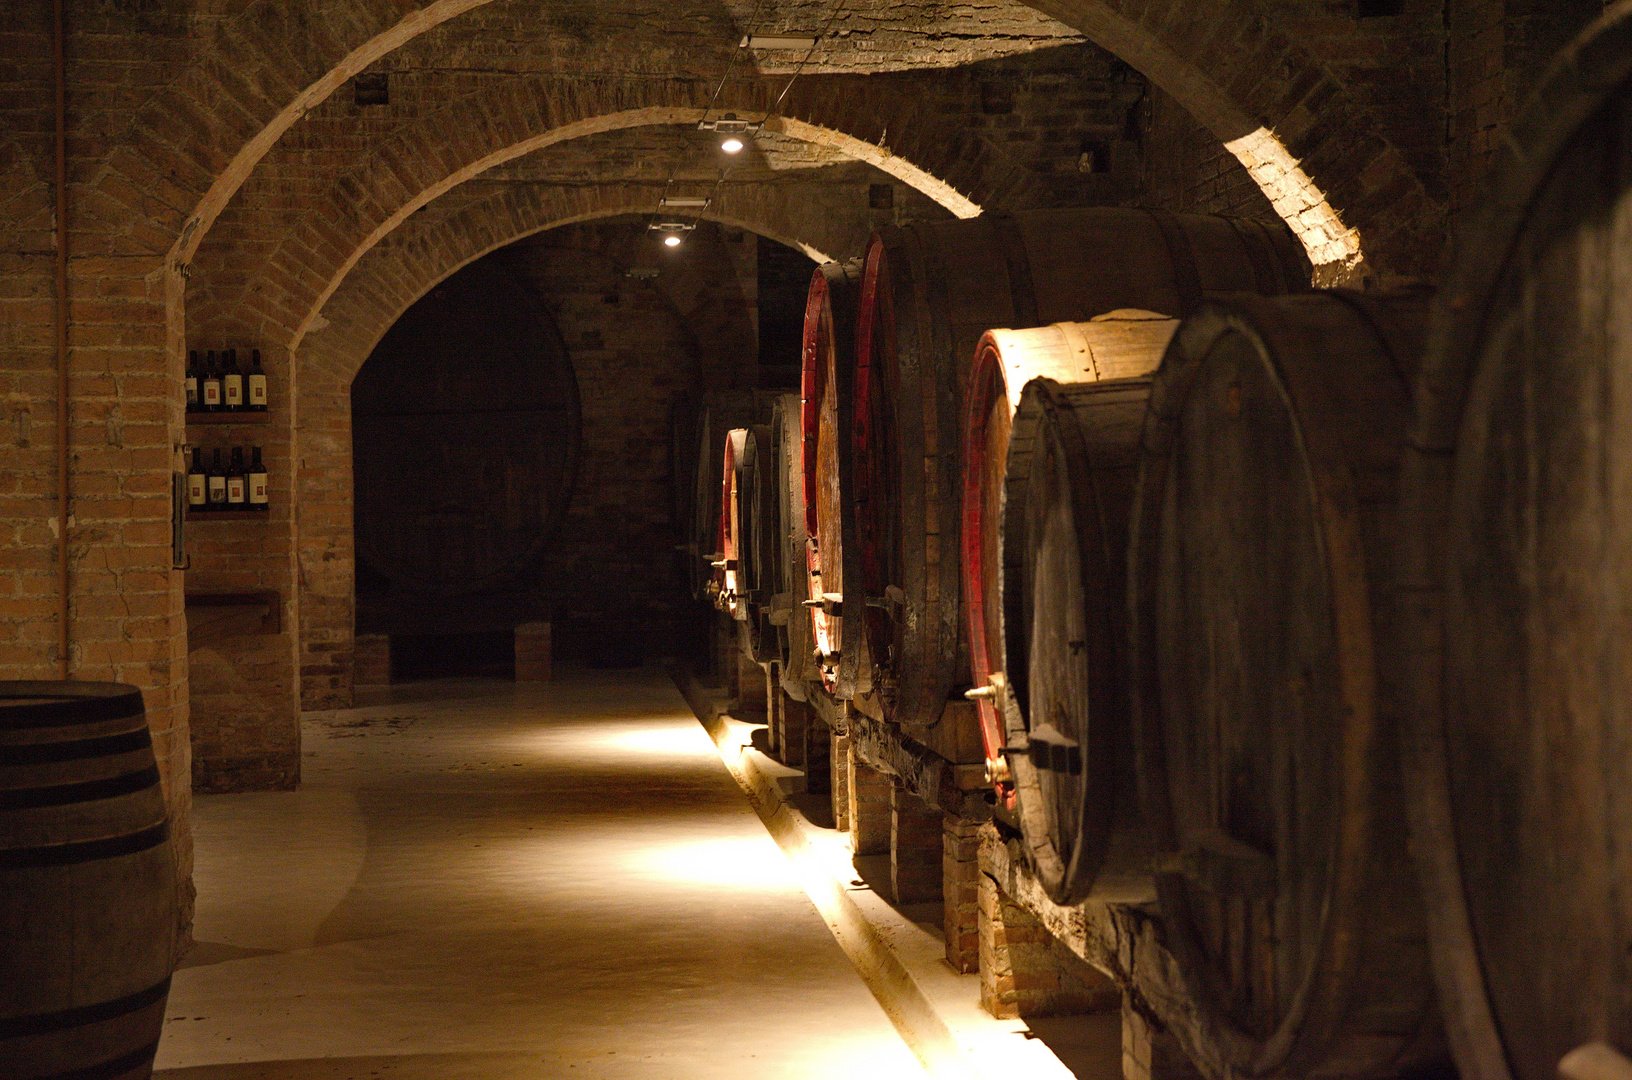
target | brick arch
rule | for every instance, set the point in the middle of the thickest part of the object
(383, 285)
(1312, 148)
(1252, 87)
(359, 208)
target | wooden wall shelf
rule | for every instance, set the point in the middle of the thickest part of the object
(229, 418)
(228, 515)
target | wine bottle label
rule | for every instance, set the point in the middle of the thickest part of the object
(192, 390)
(235, 489)
(257, 488)
(233, 388)
(195, 489)
(257, 391)
(212, 392)
(218, 489)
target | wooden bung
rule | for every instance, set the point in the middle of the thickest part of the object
(1265, 512)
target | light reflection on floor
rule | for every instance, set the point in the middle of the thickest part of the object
(486, 882)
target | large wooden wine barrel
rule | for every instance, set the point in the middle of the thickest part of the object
(928, 293)
(725, 585)
(1264, 518)
(826, 390)
(87, 883)
(1117, 345)
(795, 642)
(462, 478)
(1084, 443)
(1514, 577)
(1072, 456)
(761, 574)
(714, 415)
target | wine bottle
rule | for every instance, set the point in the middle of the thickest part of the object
(192, 380)
(210, 388)
(237, 482)
(255, 383)
(258, 498)
(197, 483)
(232, 382)
(217, 482)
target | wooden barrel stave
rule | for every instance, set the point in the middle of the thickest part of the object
(1263, 526)
(88, 902)
(1513, 571)
(928, 294)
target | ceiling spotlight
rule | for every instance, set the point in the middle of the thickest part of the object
(731, 144)
(671, 230)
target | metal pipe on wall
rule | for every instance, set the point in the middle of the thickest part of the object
(60, 63)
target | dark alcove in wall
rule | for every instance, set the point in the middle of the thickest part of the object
(466, 436)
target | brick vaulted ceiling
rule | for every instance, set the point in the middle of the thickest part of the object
(453, 64)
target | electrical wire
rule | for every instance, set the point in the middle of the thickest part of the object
(674, 171)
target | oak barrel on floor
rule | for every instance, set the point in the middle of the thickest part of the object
(928, 293)
(88, 904)
(1515, 578)
(1117, 345)
(826, 390)
(1265, 512)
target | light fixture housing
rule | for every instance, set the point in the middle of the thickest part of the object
(730, 124)
(672, 226)
(684, 202)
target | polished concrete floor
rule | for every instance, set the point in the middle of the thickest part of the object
(480, 881)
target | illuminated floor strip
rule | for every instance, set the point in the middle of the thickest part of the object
(977, 1047)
